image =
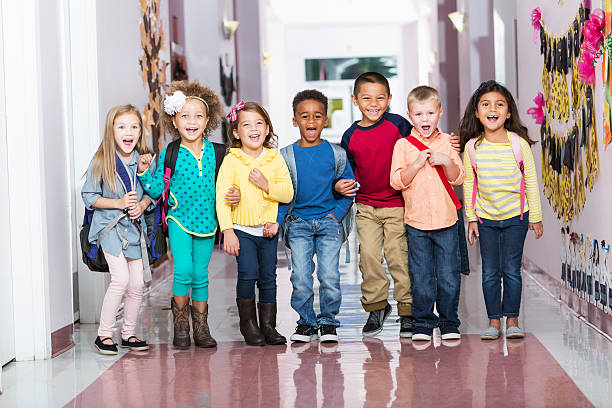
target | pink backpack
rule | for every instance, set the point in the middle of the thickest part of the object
(515, 141)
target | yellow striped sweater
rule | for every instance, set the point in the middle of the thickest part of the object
(499, 183)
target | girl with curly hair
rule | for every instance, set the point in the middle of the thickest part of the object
(190, 113)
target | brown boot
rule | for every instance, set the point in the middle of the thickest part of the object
(181, 338)
(267, 323)
(201, 333)
(248, 323)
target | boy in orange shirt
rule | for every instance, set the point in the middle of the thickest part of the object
(424, 166)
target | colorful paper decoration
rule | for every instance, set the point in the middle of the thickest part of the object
(568, 129)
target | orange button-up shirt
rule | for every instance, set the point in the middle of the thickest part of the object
(427, 205)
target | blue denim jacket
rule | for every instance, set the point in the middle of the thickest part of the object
(111, 242)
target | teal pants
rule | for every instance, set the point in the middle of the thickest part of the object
(191, 257)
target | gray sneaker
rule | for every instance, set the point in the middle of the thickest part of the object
(490, 333)
(514, 332)
(375, 322)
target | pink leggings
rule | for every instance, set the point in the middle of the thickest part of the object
(126, 278)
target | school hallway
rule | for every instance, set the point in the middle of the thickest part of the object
(562, 362)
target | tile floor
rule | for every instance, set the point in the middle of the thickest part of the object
(561, 363)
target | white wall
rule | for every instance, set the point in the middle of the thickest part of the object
(595, 217)
(7, 326)
(56, 162)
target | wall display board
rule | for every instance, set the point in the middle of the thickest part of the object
(153, 68)
(568, 129)
(586, 268)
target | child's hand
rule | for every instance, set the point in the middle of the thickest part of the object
(439, 159)
(455, 142)
(270, 229)
(423, 157)
(137, 210)
(256, 177)
(231, 245)
(473, 232)
(232, 197)
(127, 201)
(538, 228)
(346, 187)
(144, 162)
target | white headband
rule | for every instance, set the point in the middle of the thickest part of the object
(174, 103)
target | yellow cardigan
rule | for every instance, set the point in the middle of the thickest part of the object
(256, 207)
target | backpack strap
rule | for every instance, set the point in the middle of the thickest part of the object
(515, 142)
(419, 145)
(169, 164)
(288, 156)
(347, 221)
(471, 147)
(129, 183)
(220, 152)
(287, 153)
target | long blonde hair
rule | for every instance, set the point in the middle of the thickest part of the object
(104, 162)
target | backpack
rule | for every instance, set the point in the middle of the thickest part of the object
(155, 219)
(93, 257)
(515, 142)
(340, 164)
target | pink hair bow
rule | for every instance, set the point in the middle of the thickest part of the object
(537, 112)
(536, 17)
(233, 115)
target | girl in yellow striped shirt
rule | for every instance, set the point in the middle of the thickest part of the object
(503, 209)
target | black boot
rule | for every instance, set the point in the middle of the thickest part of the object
(267, 323)
(248, 323)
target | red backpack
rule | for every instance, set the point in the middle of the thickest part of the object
(515, 142)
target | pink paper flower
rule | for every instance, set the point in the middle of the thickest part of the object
(537, 112)
(536, 17)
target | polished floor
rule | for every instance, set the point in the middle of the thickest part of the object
(562, 362)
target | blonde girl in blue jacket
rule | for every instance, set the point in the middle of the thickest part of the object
(104, 191)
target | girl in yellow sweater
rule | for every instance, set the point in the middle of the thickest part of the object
(250, 231)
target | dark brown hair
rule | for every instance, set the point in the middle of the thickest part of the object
(271, 139)
(370, 78)
(307, 95)
(194, 88)
(470, 126)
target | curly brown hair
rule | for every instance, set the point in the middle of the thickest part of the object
(194, 88)
(271, 138)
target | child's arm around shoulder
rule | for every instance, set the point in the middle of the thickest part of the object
(454, 168)
(225, 180)
(280, 188)
(403, 170)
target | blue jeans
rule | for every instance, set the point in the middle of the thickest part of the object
(434, 263)
(256, 264)
(501, 249)
(322, 237)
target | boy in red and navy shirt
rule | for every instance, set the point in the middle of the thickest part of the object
(380, 208)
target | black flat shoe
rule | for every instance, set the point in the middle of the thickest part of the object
(107, 349)
(137, 345)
